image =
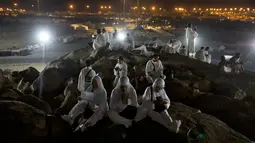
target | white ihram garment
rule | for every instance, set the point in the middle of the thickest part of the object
(96, 100)
(85, 78)
(173, 47)
(200, 55)
(148, 107)
(117, 105)
(191, 36)
(153, 70)
(123, 72)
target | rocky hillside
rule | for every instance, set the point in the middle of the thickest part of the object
(215, 107)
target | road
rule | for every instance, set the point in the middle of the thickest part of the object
(52, 52)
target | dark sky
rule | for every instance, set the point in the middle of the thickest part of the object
(62, 4)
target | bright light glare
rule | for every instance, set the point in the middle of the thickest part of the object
(121, 36)
(44, 36)
(228, 57)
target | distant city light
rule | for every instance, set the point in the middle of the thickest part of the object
(15, 4)
(87, 6)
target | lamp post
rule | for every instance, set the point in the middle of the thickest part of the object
(138, 9)
(43, 38)
(38, 5)
(124, 9)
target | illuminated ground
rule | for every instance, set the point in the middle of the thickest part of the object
(36, 59)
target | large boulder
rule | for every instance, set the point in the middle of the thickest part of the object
(36, 102)
(30, 74)
(10, 94)
(5, 82)
(67, 67)
(213, 129)
(239, 115)
(21, 122)
(221, 87)
(50, 81)
(19, 118)
(24, 86)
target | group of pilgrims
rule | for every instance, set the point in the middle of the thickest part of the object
(123, 107)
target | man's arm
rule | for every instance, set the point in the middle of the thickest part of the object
(148, 68)
(81, 82)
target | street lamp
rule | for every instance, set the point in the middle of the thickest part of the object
(71, 6)
(153, 8)
(102, 7)
(87, 6)
(110, 7)
(15, 4)
(44, 38)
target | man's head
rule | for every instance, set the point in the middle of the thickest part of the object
(103, 30)
(115, 30)
(88, 63)
(183, 47)
(98, 31)
(238, 55)
(223, 58)
(120, 60)
(207, 48)
(124, 83)
(128, 35)
(189, 25)
(155, 58)
(158, 85)
(202, 48)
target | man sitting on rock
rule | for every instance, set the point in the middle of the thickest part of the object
(208, 56)
(98, 43)
(93, 106)
(120, 70)
(129, 43)
(200, 54)
(236, 64)
(85, 77)
(154, 69)
(156, 44)
(156, 103)
(183, 51)
(123, 103)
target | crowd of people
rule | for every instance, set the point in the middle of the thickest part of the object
(123, 107)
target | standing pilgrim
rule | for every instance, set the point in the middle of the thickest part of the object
(191, 36)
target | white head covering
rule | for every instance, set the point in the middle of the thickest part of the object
(99, 92)
(159, 83)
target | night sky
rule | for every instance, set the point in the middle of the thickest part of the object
(62, 4)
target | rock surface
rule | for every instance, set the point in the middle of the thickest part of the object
(36, 102)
